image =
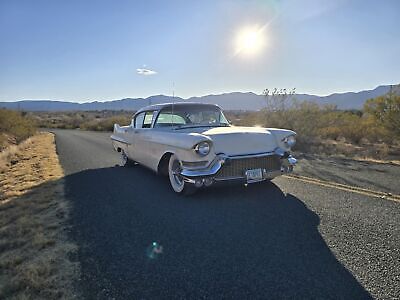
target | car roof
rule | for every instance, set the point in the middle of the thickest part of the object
(169, 105)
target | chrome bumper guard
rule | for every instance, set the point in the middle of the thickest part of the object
(207, 176)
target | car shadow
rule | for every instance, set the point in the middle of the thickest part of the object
(224, 242)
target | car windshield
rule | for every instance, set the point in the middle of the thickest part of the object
(184, 116)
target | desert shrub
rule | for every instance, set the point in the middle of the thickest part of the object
(15, 125)
(336, 125)
(306, 118)
(379, 122)
(86, 120)
(105, 124)
(385, 110)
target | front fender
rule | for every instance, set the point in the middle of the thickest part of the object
(279, 135)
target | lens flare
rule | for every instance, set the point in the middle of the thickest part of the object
(250, 40)
(154, 250)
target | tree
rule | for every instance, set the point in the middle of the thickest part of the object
(278, 99)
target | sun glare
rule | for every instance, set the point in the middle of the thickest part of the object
(250, 41)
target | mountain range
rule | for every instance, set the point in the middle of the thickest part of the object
(228, 101)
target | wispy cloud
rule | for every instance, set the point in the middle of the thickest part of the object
(145, 72)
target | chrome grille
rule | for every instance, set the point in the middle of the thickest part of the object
(237, 167)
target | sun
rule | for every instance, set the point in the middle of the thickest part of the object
(250, 41)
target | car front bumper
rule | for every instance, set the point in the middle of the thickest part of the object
(233, 168)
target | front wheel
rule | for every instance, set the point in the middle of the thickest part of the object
(177, 182)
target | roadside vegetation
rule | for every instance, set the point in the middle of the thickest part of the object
(15, 127)
(34, 249)
(85, 120)
(373, 132)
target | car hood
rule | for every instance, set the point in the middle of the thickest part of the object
(235, 140)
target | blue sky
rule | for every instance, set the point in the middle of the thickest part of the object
(92, 50)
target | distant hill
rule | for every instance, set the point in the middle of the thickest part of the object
(228, 101)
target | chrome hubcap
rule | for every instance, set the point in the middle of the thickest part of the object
(176, 168)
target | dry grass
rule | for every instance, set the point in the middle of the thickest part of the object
(34, 249)
(379, 161)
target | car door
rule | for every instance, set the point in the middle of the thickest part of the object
(141, 134)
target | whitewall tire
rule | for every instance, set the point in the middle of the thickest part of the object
(176, 180)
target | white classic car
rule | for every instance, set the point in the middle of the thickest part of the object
(194, 145)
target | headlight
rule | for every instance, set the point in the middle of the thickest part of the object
(290, 141)
(202, 148)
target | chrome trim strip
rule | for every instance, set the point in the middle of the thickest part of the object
(288, 164)
(118, 139)
(203, 172)
(230, 178)
(255, 155)
(267, 175)
(277, 151)
(195, 165)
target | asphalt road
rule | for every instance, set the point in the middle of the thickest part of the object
(364, 174)
(286, 239)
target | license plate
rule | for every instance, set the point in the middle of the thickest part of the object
(254, 175)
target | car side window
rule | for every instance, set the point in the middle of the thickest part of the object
(148, 119)
(139, 120)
